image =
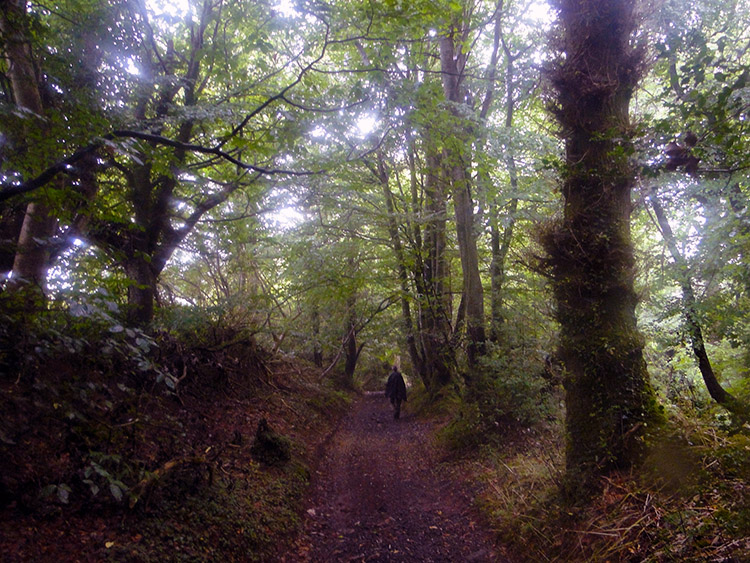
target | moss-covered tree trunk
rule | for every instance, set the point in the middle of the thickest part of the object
(608, 397)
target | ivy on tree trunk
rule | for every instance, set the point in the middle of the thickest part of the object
(609, 401)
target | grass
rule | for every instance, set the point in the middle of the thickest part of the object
(445, 403)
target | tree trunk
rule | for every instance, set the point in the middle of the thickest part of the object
(317, 348)
(717, 392)
(418, 268)
(150, 241)
(609, 400)
(473, 292)
(452, 62)
(500, 246)
(350, 346)
(32, 253)
(141, 291)
(11, 220)
(403, 272)
(350, 363)
(500, 242)
(435, 304)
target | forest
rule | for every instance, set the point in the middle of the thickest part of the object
(223, 221)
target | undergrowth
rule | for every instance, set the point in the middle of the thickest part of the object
(507, 394)
(689, 502)
(237, 518)
(135, 446)
(444, 403)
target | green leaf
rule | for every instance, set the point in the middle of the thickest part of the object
(93, 487)
(63, 493)
(116, 491)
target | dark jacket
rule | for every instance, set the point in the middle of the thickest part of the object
(395, 388)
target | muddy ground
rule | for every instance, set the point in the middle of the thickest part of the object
(380, 493)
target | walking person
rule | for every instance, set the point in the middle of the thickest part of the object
(395, 390)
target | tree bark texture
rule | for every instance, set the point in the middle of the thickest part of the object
(435, 303)
(141, 240)
(351, 352)
(141, 291)
(609, 400)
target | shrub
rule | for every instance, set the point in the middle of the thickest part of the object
(508, 390)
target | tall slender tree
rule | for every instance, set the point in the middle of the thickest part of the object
(454, 57)
(692, 322)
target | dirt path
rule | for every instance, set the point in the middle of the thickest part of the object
(377, 496)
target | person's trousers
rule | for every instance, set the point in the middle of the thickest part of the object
(396, 404)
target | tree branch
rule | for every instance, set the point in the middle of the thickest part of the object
(10, 190)
(158, 139)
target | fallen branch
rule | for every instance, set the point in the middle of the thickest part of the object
(148, 482)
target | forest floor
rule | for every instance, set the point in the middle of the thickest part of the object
(95, 471)
(147, 475)
(94, 467)
(381, 493)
